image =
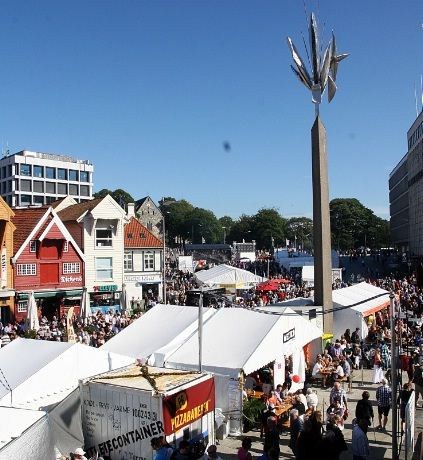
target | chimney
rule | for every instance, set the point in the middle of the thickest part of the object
(130, 210)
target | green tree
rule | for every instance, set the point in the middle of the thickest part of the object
(102, 193)
(226, 223)
(300, 229)
(353, 225)
(242, 229)
(269, 228)
(204, 226)
(176, 213)
(122, 197)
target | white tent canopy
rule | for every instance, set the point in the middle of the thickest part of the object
(236, 339)
(161, 326)
(24, 434)
(364, 299)
(226, 275)
(42, 373)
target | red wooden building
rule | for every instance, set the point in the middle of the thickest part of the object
(47, 261)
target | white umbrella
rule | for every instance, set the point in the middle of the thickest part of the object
(85, 310)
(32, 313)
(123, 299)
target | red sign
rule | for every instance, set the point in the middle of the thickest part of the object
(182, 408)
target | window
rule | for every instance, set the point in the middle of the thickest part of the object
(103, 237)
(16, 184)
(71, 267)
(3, 172)
(50, 187)
(38, 171)
(25, 185)
(27, 269)
(25, 200)
(50, 199)
(66, 247)
(9, 185)
(84, 176)
(73, 175)
(73, 189)
(62, 189)
(38, 186)
(62, 174)
(104, 268)
(50, 173)
(38, 199)
(10, 170)
(84, 190)
(148, 261)
(22, 306)
(25, 170)
(127, 261)
(33, 246)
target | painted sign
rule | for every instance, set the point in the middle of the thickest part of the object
(107, 288)
(3, 263)
(69, 326)
(70, 279)
(143, 278)
(289, 335)
(183, 408)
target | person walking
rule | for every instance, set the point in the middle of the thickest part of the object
(384, 402)
(360, 443)
(402, 401)
(364, 409)
(418, 381)
(296, 426)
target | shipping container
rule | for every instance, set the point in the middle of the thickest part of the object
(123, 410)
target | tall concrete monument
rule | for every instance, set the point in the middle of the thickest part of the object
(323, 73)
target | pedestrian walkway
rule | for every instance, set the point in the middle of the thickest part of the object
(380, 442)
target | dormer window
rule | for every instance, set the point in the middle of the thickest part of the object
(142, 235)
(103, 237)
(33, 246)
(129, 236)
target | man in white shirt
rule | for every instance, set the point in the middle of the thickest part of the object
(339, 371)
(317, 368)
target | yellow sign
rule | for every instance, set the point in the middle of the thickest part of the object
(69, 326)
(189, 416)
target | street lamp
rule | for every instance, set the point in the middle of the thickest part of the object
(224, 235)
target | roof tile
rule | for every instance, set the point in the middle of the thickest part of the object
(138, 236)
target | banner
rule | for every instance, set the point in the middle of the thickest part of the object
(183, 408)
(3, 268)
(69, 326)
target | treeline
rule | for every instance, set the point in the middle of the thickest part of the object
(353, 225)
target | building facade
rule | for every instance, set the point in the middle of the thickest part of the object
(47, 261)
(34, 178)
(149, 215)
(98, 228)
(143, 262)
(7, 292)
(406, 195)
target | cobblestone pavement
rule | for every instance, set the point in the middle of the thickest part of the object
(380, 443)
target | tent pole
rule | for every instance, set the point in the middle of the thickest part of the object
(200, 331)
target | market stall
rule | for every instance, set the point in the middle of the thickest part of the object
(227, 276)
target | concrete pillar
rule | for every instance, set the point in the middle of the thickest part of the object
(321, 225)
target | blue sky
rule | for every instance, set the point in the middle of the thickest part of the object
(150, 90)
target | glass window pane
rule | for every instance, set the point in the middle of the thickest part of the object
(50, 187)
(73, 189)
(73, 175)
(38, 171)
(38, 186)
(25, 185)
(103, 262)
(84, 176)
(84, 190)
(50, 173)
(62, 174)
(62, 189)
(25, 200)
(25, 170)
(38, 199)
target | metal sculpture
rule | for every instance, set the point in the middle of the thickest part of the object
(323, 68)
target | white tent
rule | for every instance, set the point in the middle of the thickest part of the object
(24, 434)
(161, 326)
(236, 339)
(41, 373)
(363, 299)
(227, 276)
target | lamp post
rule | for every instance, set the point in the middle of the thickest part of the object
(394, 379)
(224, 235)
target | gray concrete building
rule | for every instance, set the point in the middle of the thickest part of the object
(406, 195)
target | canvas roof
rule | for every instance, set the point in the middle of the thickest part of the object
(227, 275)
(42, 373)
(236, 339)
(15, 421)
(370, 298)
(162, 325)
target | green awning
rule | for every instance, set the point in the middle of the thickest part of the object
(46, 294)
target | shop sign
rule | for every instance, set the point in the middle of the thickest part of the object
(183, 408)
(144, 278)
(289, 335)
(70, 279)
(106, 288)
(3, 267)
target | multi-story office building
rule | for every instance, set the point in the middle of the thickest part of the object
(34, 178)
(406, 194)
